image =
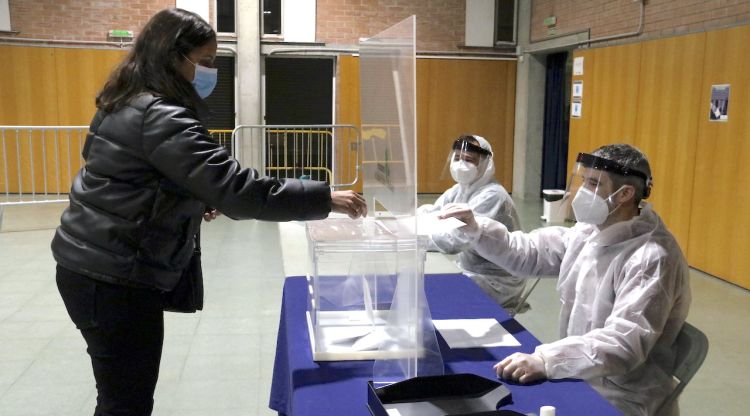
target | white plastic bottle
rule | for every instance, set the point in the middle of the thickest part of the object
(547, 411)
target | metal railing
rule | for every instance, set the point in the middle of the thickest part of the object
(324, 152)
(38, 163)
(223, 137)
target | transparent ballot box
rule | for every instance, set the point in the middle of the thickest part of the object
(366, 281)
(366, 296)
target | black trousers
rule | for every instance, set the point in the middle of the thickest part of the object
(124, 330)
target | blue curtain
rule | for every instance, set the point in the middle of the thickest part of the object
(555, 143)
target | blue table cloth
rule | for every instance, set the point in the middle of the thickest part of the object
(302, 387)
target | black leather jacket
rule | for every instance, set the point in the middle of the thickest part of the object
(137, 204)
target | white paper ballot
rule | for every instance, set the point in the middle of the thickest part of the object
(428, 224)
(474, 333)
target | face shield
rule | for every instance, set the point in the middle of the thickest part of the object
(466, 161)
(592, 188)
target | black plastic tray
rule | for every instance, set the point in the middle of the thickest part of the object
(448, 395)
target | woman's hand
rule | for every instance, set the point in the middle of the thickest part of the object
(211, 215)
(349, 203)
(463, 213)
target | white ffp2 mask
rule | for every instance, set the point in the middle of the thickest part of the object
(463, 172)
(589, 207)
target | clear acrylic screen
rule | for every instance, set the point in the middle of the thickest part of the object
(388, 93)
(388, 105)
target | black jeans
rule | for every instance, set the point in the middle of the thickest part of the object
(124, 330)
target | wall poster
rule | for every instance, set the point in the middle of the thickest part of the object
(719, 103)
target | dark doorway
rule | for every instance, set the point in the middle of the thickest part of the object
(556, 105)
(299, 92)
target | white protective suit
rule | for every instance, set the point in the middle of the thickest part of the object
(487, 198)
(625, 294)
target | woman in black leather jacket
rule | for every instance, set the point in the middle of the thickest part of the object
(151, 170)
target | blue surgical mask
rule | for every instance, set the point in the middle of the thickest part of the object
(204, 80)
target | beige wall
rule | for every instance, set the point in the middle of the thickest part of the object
(48, 87)
(720, 209)
(656, 95)
(52, 86)
(453, 97)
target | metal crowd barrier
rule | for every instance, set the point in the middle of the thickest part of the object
(324, 152)
(38, 163)
(223, 137)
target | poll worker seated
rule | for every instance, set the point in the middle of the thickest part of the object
(623, 283)
(471, 167)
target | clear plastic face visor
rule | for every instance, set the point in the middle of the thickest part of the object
(590, 185)
(466, 161)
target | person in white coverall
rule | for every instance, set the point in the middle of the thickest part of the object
(623, 284)
(472, 168)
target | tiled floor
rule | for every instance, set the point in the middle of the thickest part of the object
(219, 362)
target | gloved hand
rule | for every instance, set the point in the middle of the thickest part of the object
(462, 212)
(520, 367)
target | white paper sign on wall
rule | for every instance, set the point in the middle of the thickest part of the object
(578, 65)
(577, 89)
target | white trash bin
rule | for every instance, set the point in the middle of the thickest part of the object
(553, 209)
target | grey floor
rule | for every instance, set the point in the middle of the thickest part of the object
(219, 361)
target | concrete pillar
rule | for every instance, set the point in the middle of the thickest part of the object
(249, 105)
(530, 83)
(527, 138)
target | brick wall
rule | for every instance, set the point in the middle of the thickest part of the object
(440, 23)
(87, 20)
(662, 17)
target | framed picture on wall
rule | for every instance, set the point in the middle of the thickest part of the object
(719, 103)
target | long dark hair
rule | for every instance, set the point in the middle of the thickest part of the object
(151, 66)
